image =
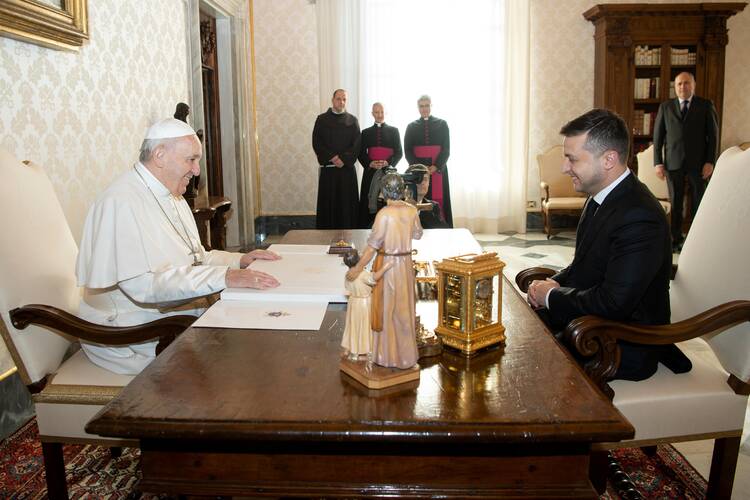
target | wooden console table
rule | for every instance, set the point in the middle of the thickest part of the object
(268, 413)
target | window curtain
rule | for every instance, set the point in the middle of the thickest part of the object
(471, 58)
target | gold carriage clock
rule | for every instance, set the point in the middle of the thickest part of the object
(470, 302)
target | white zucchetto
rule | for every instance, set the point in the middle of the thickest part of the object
(169, 128)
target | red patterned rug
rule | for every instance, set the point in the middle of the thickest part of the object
(92, 473)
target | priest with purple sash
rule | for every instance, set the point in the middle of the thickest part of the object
(427, 141)
(380, 147)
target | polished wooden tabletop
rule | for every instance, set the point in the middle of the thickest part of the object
(250, 385)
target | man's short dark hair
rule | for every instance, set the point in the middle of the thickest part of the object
(606, 130)
(336, 91)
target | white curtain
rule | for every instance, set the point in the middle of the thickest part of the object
(472, 59)
(338, 24)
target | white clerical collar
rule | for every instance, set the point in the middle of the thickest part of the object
(154, 184)
(337, 112)
(425, 119)
(601, 195)
(379, 124)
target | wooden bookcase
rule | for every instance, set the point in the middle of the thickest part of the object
(623, 34)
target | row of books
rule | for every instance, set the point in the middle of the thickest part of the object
(651, 56)
(682, 56)
(645, 55)
(643, 122)
(646, 88)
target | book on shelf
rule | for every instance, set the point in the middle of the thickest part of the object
(647, 56)
(643, 122)
(682, 56)
(646, 88)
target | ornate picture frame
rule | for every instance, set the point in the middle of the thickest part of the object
(60, 28)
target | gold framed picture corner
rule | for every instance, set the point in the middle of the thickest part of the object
(40, 22)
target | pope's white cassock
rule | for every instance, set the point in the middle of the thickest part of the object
(136, 265)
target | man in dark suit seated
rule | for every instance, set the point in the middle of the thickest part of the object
(623, 256)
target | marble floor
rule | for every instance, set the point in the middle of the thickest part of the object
(521, 251)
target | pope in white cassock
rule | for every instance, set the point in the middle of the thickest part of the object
(141, 258)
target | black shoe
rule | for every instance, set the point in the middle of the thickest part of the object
(674, 359)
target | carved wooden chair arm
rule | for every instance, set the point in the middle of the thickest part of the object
(166, 329)
(525, 277)
(596, 338)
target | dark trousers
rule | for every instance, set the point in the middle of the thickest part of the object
(676, 186)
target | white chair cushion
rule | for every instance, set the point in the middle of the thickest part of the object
(647, 174)
(668, 405)
(69, 400)
(37, 264)
(564, 204)
(78, 370)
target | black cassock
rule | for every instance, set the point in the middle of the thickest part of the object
(383, 136)
(336, 134)
(431, 132)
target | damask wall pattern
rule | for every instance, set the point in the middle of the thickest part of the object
(562, 75)
(286, 69)
(83, 115)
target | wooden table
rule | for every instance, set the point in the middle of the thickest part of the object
(247, 412)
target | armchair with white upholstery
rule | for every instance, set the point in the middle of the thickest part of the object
(710, 303)
(558, 194)
(37, 266)
(647, 175)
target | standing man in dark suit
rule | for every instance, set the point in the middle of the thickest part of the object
(381, 147)
(428, 141)
(335, 140)
(688, 127)
(623, 257)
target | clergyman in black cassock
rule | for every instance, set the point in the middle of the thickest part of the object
(427, 141)
(623, 256)
(335, 141)
(380, 147)
(687, 128)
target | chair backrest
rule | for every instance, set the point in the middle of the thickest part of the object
(550, 171)
(647, 174)
(37, 264)
(714, 267)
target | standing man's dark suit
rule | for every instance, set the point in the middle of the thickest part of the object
(690, 149)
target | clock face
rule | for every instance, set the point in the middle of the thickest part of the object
(483, 288)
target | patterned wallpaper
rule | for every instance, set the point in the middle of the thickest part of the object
(562, 75)
(286, 59)
(83, 115)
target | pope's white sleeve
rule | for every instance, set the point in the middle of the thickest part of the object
(222, 258)
(174, 284)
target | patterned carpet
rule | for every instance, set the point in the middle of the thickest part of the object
(92, 473)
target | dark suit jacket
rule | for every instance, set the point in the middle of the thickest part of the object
(620, 271)
(687, 144)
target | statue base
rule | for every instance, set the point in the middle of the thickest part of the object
(378, 377)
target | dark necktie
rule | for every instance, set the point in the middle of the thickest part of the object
(586, 219)
(684, 110)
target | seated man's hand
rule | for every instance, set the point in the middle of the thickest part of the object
(249, 257)
(537, 292)
(249, 278)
